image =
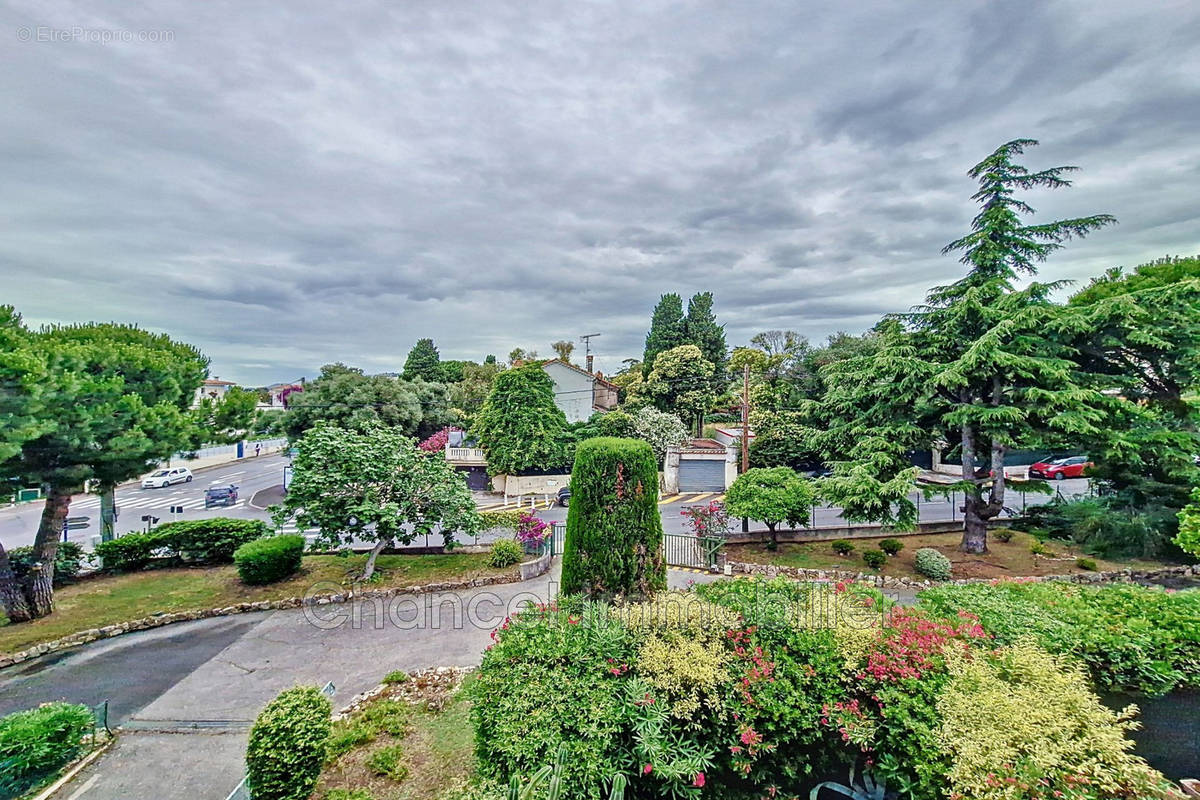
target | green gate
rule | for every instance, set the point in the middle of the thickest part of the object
(688, 550)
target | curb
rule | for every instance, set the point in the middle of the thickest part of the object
(70, 774)
(525, 571)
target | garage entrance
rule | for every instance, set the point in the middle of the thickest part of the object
(701, 475)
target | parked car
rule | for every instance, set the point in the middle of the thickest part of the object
(165, 477)
(220, 496)
(1059, 468)
(564, 496)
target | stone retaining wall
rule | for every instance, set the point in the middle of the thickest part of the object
(525, 571)
(888, 582)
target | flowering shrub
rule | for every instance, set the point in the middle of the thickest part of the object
(762, 688)
(531, 530)
(437, 442)
(707, 520)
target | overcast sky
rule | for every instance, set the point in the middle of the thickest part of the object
(288, 184)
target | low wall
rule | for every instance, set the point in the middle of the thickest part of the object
(842, 532)
(518, 485)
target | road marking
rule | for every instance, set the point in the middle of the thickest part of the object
(89, 783)
(701, 496)
(231, 474)
(672, 499)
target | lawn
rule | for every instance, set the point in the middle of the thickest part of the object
(430, 749)
(108, 599)
(1005, 559)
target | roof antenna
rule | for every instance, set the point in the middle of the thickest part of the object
(587, 349)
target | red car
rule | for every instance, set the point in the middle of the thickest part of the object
(1059, 468)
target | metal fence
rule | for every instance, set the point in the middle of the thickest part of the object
(688, 550)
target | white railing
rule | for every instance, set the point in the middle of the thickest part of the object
(465, 455)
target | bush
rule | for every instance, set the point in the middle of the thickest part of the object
(210, 541)
(891, 546)
(287, 745)
(772, 496)
(36, 743)
(614, 530)
(130, 552)
(507, 519)
(932, 564)
(875, 559)
(1109, 527)
(1131, 637)
(505, 553)
(67, 562)
(1003, 535)
(1088, 564)
(1038, 549)
(269, 560)
(842, 547)
(388, 762)
(396, 676)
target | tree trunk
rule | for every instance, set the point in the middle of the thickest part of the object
(369, 569)
(974, 538)
(38, 585)
(108, 513)
(16, 608)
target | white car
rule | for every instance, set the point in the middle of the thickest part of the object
(165, 477)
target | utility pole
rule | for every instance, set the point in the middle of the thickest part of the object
(745, 431)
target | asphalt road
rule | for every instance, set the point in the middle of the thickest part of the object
(18, 524)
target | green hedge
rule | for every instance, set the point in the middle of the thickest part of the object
(269, 560)
(504, 518)
(614, 531)
(36, 743)
(932, 564)
(204, 541)
(287, 745)
(67, 562)
(505, 553)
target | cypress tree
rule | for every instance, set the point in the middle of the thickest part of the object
(423, 362)
(614, 531)
(702, 330)
(666, 329)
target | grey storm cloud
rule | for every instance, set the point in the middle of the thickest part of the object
(290, 184)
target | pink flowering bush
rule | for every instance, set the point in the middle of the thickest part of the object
(531, 530)
(707, 520)
(437, 442)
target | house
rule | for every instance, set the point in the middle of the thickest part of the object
(276, 395)
(212, 389)
(578, 392)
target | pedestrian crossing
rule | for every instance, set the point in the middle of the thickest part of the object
(191, 503)
(686, 498)
(512, 506)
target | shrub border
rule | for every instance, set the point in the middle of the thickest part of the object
(524, 571)
(889, 582)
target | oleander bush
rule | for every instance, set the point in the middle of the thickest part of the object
(505, 553)
(68, 562)
(614, 531)
(35, 744)
(1129, 637)
(932, 564)
(269, 560)
(758, 688)
(287, 746)
(195, 541)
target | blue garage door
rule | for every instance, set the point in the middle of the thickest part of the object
(696, 475)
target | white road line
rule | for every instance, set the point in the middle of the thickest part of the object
(89, 783)
(231, 474)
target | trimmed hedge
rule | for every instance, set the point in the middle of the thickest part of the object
(269, 560)
(67, 562)
(842, 547)
(891, 546)
(614, 531)
(504, 518)
(204, 541)
(875, 559)
(287, 745)
(505, 553)
(932, 564)
(35, 744)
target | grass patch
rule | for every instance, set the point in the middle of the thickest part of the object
(1005, 559)
(434, 752)
(109, 599)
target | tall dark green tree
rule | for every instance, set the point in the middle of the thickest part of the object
(519, 427)
(974, 365)
(667, 330)
(701, 329)
(423, 362)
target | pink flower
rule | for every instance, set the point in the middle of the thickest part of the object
(698, 781)
(646, 770)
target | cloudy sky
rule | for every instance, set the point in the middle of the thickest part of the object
(287, 184)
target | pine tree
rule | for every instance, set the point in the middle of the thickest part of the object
(977, 366)
(701, 329)
(667, 330)
(423, 362)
